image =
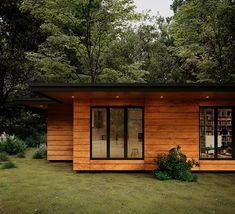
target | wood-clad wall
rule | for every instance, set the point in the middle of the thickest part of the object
(166, 123)
(60, 132)
(81, 150)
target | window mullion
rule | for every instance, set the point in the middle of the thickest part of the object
(233, 132)
(216, 132)
(108, 133)
(125, 133)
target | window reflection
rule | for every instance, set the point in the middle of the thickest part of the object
(207, 133)
(117, 133)
(224, 133)
(135, 133)
(99, 130)
(216, 133)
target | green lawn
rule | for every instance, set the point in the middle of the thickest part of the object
(38, 186)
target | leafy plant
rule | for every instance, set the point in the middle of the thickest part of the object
(11, 144)
(162, 175)
(3, 156)
(21, 155)
(175, 165)
(35, 140)
(8, 165)
(41, 152)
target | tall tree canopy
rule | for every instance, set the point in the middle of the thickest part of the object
(19, 32)
(79, 33)
(203, 32)
(108, 41)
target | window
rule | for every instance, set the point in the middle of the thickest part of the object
(99, 130)
(117, 133)
(216, 133)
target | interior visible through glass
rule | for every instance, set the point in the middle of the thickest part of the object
(135, 133)
(116, 133)
(207, 133)
(99, 131)
(224, 133)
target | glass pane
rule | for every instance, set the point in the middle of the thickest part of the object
(99, 130)
(116, 133)
(135, 134)
(207, 143)
(224, 133)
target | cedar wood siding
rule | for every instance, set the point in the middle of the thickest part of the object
(60, 132)
(166, 125)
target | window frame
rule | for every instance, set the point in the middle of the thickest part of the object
(125, 108)
(215, 108)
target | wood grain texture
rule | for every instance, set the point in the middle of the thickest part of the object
(60, 132)
(167, 123)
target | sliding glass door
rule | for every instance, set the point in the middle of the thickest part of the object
(117, 133)
(135, 134)
(116, 137)
(99, 133)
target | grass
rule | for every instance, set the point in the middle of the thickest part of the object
(3, 156)
(8, 165)
(38, 186)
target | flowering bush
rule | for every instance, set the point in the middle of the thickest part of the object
(11, 144)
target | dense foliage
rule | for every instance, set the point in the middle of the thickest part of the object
(4, 156)
(11, 144)
(203, 32)
(40, 152)
(108, 41)
(175, 165)
(35, 140)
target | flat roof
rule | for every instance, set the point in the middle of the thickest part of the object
(124, 87)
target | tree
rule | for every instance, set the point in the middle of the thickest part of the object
(19, 32)
(203, 32)
(125, 58)
(148, 45)
(79, 33)
(161, 63)
(176, 4)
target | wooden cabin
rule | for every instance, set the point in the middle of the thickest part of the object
(125, 126)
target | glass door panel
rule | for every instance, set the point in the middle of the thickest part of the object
(117, 133)
(99, 131)
(224, 133)
(135, 133)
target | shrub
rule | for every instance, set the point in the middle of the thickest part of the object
(162, 175)
(174, 165)
(11, 144)
(41, 152)
(3, 156)
(30, 141)
(8, 165)
(35, 140)
(188, 176)
(21, 155)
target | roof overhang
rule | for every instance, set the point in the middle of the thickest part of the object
(123, 87)
(65, 93)
(62, 92)
(39, 103)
